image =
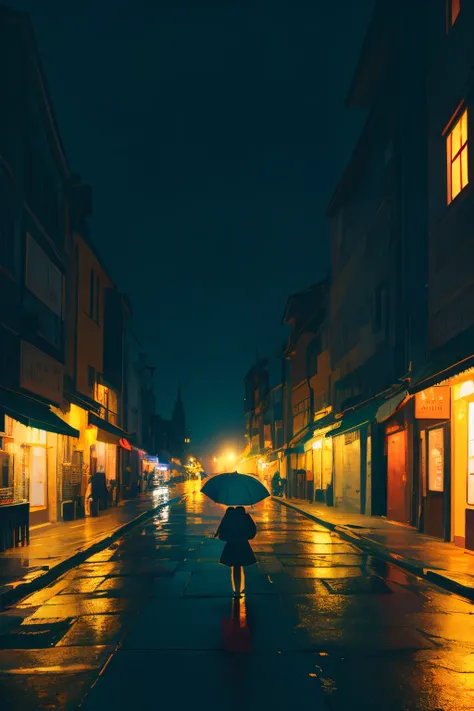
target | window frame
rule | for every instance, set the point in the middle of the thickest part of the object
(463, 149)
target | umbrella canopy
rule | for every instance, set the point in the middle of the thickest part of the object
(235, 489)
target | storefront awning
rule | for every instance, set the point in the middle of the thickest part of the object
(32, 413)
(106, 431)
(390, 406)
(449, 360)
(354, 419)
(298, 442)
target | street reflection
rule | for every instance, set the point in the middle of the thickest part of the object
(235, 630)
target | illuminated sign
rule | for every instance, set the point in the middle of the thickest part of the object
(433, 404)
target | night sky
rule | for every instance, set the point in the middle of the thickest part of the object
(213, 135)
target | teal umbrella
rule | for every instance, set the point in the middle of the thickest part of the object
(235, 489)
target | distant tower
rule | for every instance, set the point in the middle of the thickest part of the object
(178, 423)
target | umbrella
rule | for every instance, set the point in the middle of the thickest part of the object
(235, 489)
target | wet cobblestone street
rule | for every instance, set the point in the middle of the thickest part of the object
(152, 618)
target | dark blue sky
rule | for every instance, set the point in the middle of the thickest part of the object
(213, 135)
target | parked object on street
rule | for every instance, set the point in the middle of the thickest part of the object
(237, 528)
(277, 485)
(99, 492)
(234, 489)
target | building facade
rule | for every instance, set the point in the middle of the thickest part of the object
(35, 259)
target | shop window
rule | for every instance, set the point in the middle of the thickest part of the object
(470, 470)
(457, 157)
(38, 476)
(6, 470)
(453, 8)
(436, 459)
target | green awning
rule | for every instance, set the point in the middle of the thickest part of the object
(324, 422)
(354, 419)
(296, 446)
(32, 413)
(112, 433)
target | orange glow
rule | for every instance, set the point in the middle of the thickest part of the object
(454, 11)
(457, 157)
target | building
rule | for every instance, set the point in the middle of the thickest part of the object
(101, 388)
(308, 377)
(444, 388)
(257, 387)
(263, 404)
(378, 304)
(35, 262)
(170, 439)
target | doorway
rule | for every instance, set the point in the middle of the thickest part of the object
(398, 494)
(435, 458)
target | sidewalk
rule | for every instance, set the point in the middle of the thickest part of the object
(443, 563)
(55, 548)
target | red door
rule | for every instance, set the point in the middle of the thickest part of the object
(398, 495)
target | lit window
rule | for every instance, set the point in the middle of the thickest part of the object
(454, 7)
(457, 158)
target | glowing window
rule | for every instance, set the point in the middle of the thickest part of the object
(457, 157)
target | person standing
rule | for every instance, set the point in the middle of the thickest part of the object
(237, 528)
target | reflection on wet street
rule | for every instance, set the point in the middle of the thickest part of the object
(152, 618)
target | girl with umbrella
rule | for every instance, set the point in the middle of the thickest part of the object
(237, 527)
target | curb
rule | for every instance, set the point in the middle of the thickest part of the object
(414, 567)
(23, 589)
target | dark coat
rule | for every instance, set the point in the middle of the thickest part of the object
(237, 528)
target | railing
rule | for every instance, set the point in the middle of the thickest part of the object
(108, 415)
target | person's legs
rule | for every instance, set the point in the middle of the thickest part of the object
(237, 576)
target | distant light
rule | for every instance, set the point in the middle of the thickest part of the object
(318, 444)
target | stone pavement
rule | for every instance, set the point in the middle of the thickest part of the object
(52, 546)
(444, 563)
(150, 621)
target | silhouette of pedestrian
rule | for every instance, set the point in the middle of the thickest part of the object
(237, 528)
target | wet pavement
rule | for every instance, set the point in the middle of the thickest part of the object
(151, 620)
(449, 565)
(51, 545)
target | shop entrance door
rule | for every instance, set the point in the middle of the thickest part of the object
(351, 482)
(398, 494)
(435, 504)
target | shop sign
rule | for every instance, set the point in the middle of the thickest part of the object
(433, 403)
(41, 374)
(42, 277)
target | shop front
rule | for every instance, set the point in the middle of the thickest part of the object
(30, 439)
(109, 450)
(358, 453)
(432, 451)
(444, 414)
(320, 451)
(462, 458)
